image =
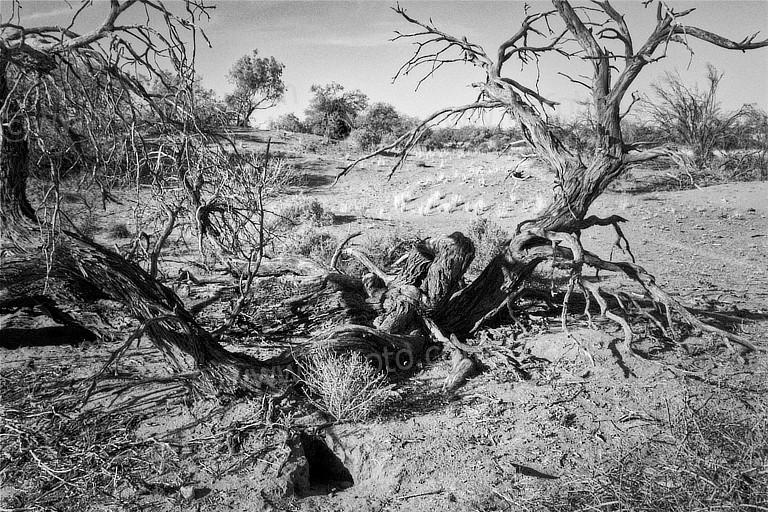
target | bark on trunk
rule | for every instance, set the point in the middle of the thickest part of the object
(15, 210)
(576, 192)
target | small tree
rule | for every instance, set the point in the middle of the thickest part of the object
(258, 85)
(690, 116)
(332, 111)
(380, 122)
(382, 118)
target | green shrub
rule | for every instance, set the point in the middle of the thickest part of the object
(365, 139)
(289, 123)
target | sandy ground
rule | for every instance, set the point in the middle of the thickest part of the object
(501, 442)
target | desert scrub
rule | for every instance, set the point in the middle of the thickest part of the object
(489, 239)
(311, 243)
(305, 211)
(120, 230)
(345, 386)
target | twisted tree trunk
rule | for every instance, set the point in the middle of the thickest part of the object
(15, 210)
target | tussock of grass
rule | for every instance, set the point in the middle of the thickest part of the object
(345, 386)
(489, 239)
(312, 243)
(400, 200)
(453, 202)
(434, 199)
(306, 212)
(120, 230)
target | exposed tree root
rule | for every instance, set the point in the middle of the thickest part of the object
(578, 257)
(389, 318)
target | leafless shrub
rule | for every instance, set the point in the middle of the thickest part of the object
(692, 117)
(345, 386)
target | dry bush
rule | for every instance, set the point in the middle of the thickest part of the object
(311, 243)
(297, 226)
(383, 251)
(489, 239)
(120, 230)
(345, 386)
(305, 211)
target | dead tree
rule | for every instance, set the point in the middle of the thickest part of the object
(34, 248)
(422, 303)
(598, 35)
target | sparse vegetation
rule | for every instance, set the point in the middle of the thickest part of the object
(308, 211)
(470, 138)
(311, 243)
(345, 386)
(120, 230)
(489, 239)
(710, 455)
(161, 347)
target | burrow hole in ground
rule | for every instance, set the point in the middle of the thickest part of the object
(327, 472)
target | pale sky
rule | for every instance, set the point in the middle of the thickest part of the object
(348, 42)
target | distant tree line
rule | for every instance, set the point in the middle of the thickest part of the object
(674, 113)
(337, 114)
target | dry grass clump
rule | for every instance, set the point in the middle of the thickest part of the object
(712, 455)
(453, 202)
(345, 386)
(120, 230)
(308, 211)
(432, 202)
(312, 243)
(401, 200)
(478, 207)
(489, 239)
